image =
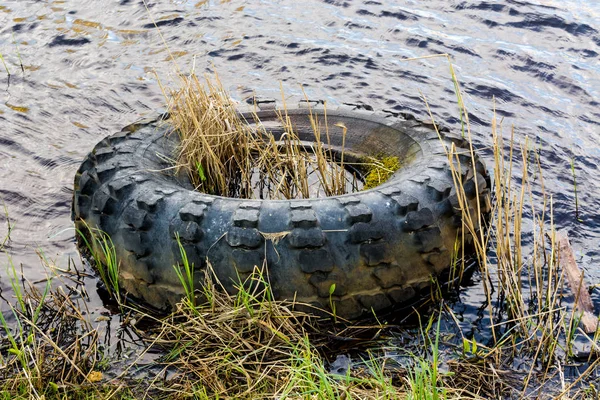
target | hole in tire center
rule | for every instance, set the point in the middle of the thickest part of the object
(264, 182)
(354, 161)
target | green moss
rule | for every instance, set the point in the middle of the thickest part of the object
(381, 171)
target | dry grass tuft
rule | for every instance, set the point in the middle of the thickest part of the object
(50, 341)
(216, 144)
(250, 346)
(224, 155)
(232, 345)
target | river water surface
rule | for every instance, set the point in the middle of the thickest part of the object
(91, 67)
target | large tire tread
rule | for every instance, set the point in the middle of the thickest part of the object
(119, 189)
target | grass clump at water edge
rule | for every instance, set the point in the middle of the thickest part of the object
(232, 346)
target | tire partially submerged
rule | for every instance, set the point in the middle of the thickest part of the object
(378, 247)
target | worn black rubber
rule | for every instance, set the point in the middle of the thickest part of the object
(378, 247)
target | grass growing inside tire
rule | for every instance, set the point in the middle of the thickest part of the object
(223, 155)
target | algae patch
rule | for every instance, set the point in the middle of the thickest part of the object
(381, 171)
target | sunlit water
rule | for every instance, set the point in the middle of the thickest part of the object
(91, 67)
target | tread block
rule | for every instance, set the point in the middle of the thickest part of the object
(439, 259)
(245, 218)
(441, 188)
(312, 261)
(389, 275)
(139, 179)
(192, 212)
(300, 204)
(406, 203)
(120, 186)
(203, 199)
(125, 148)
(438, 167)
(453, 199)
(103, 143)
(471, 189)
(445, 209)
(136, 218)
(458, 142)
(348, 308)
(418, 219)
(251, 204)
(306, 238)
(421, 178)
(358, 213)
(245, 260)
(86, 164)
(188, 231)
(461, 170)
(118, 137)
(345, 200)
(401, 295)
(390, 190)
(374, 302)
(104, 154)
(149, 200)
(133, 241)
(131, 128)
(481, 168)
(104, 203)
(87, 183)
(304, 218)
(244, 237)
(323, 283)
(104, 220)
(429, 239)
(82, 206)
(485, 201)
(457, 220)
(375, 253)
(106, 170)
(362, 232)
(191, 252)
(165, 191)
(465, 158)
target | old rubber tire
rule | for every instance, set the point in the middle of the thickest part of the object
(378, 247)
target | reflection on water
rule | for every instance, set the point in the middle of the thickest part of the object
(90, 68)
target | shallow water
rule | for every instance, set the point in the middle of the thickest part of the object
(91, 67)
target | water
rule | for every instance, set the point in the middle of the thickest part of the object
(91, 67)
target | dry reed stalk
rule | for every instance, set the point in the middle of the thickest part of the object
(527, 287)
